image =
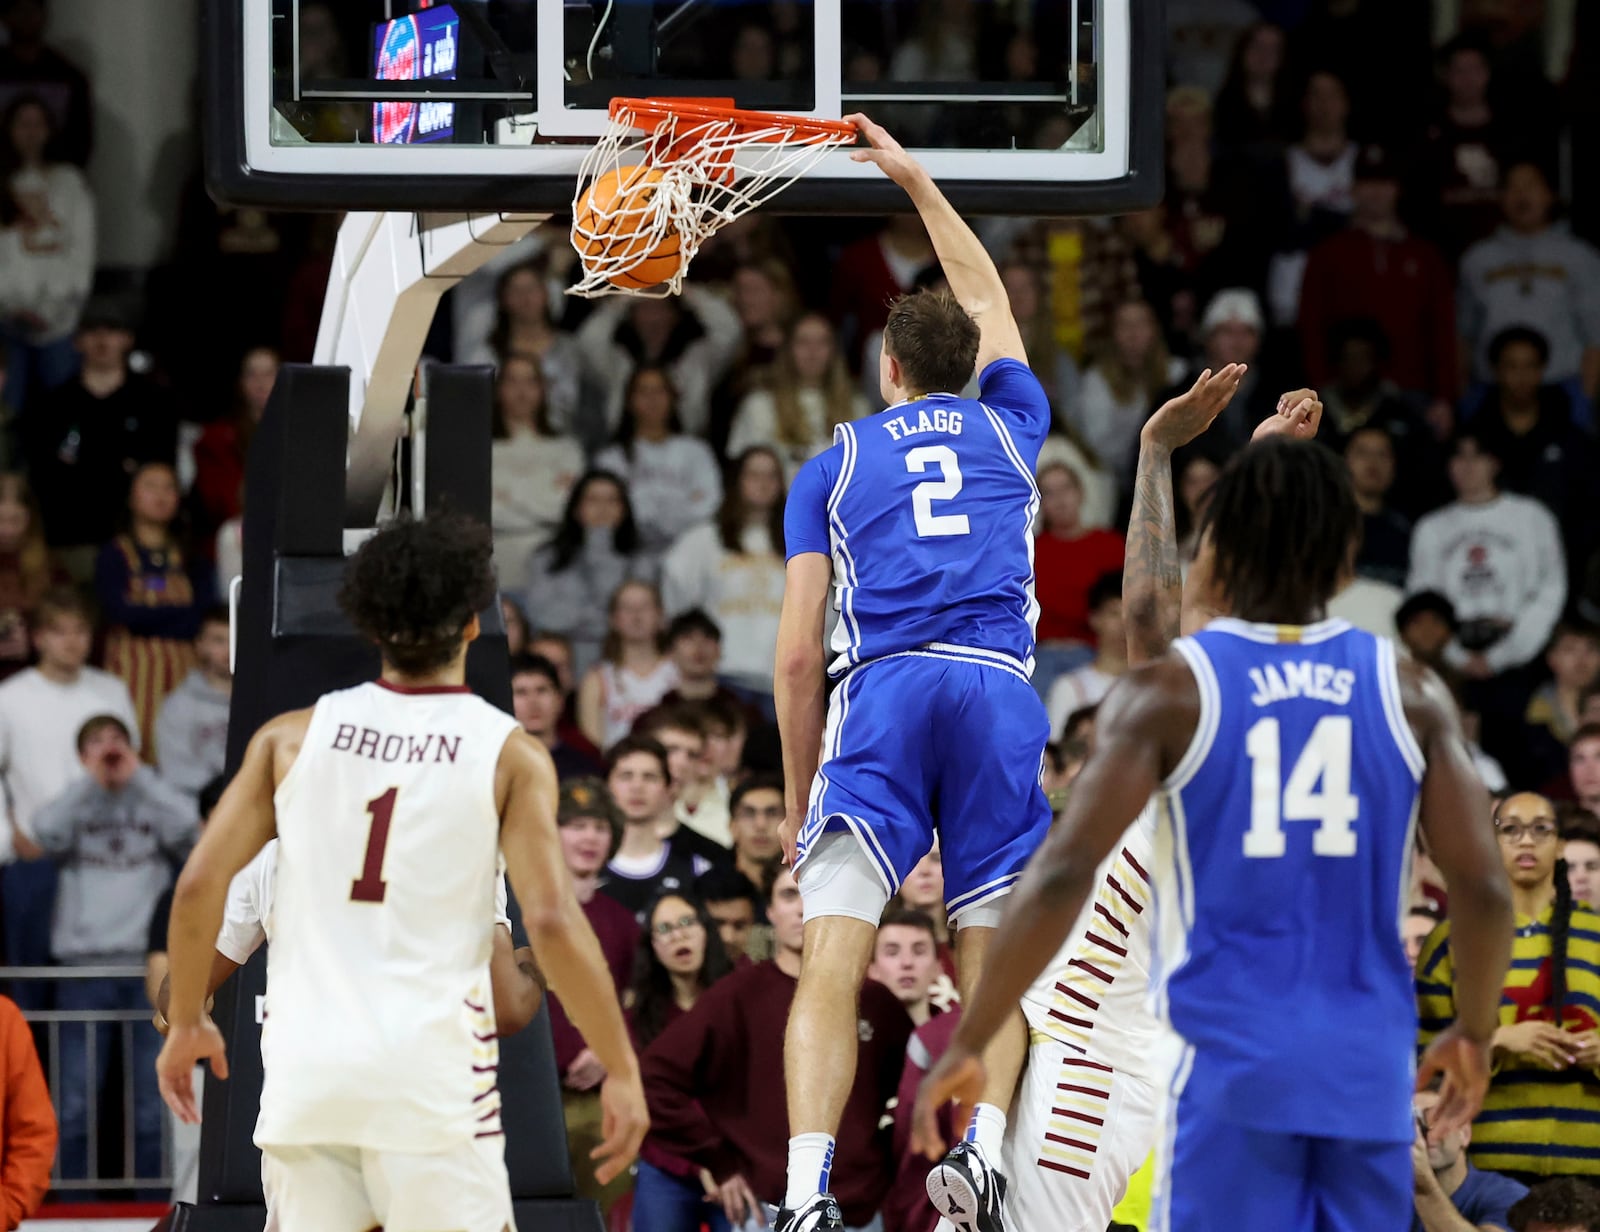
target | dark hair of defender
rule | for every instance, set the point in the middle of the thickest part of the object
(415, 585)
(1284, 526)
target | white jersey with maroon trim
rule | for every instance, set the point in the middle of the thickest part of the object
(1093, 996)
(380, 1028)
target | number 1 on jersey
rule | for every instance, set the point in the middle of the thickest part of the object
(929, 523)
(1325, 758)
(370, 887)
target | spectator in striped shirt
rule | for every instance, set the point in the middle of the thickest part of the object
(1538, 1120)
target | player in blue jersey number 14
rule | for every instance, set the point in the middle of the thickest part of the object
(1279, 965)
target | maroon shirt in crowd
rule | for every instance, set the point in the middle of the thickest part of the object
(714, 1084)
(905, 1206)
(619, 939)
(1404, 285)
(652, 1152)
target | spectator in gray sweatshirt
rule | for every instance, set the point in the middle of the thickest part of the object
(116, 834)
(1537, 275)
(597, 549)
(192, 728)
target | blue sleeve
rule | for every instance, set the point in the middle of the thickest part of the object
(805, 512)
(1491, 1199)
(1009, 389)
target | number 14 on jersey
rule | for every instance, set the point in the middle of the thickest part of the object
(1318, 789)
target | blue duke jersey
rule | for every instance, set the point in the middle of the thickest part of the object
(927, 511)
(1283, 865)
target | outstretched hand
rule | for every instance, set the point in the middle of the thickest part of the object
(1185, 417)
(959, 1076)
(1299, 415)
(1464, 1065)
(885, 151)
(185, 1048)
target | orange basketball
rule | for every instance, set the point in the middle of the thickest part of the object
(612, 223)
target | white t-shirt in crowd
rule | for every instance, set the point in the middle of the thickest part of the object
(39, 722)
(1499, 560)
(1074, 691)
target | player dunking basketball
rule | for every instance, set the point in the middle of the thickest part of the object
(390, 801)
(1292, 755)
(918, 521)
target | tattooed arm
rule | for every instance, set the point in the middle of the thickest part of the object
(1152, 581)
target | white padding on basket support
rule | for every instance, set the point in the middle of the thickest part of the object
(711, 172)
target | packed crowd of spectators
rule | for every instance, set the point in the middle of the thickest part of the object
(1350, 205)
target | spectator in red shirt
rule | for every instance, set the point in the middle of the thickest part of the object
(873, 273)
(712, 1080)
(679, 958)
(219, 454)
(1067, 560)
(591, 831)
(1376, 268)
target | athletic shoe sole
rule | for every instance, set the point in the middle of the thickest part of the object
(953, 1195)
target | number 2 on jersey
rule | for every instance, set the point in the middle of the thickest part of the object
(370, 887)
(931, 524)
(1325, 758)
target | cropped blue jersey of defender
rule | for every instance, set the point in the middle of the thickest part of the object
(926, 511)
(1290, 757)
(917, 525)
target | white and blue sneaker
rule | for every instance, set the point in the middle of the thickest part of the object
(821, 1214)
(968, 1192)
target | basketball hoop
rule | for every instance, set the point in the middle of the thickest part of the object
(667, 173)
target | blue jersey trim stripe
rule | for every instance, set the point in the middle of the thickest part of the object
(1271, 635)
(1166, 1145)
(999, 657)
(844, 562)
(1394, 709)
(951, 656)
(1205, 732)
(1031, 613)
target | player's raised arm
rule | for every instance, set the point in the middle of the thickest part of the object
(564, 943)
(973, 278)
(1152, 576)
(1455, 818)
(1148, 713)
(240, 826)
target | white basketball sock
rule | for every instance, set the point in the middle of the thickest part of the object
(810, 1163)
(988, 1131)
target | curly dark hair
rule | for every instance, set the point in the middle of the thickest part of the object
(1282, 568)
(1563, 1203)
(415, 585)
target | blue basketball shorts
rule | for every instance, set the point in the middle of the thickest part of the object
(935, 742)
(1213, 1175)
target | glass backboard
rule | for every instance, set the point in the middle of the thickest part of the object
(1016, 106)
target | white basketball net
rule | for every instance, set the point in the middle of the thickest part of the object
(712, 171)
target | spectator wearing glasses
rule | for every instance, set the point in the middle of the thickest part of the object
(701, 1071)
(680, 956)
(1537, 1121)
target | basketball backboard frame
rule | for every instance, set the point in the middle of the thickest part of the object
(249, 162)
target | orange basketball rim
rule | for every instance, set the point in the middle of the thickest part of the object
(669, 172)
